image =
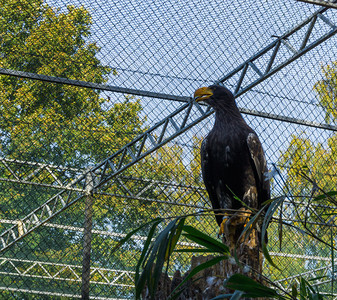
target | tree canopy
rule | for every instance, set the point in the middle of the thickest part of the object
(73, 128)
(310, 169)
(315, 160)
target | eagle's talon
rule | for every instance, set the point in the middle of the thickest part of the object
(241, 217)
(253, 240)
(222, 230)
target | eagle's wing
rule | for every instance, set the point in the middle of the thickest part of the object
(260, 164)
(208, 180)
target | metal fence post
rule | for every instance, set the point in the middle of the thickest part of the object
(87, 236)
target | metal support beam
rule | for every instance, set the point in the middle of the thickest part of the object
(184, 118)
(87, 237)
(64, 272)
(24, 268)
(325, 3)
(57, 177)
(274, 48)
(39, 174)
(91, 85)
(54, 294)
(18, 169)
(317, 276)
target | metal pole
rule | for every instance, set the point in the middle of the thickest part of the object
(326, 3)
(87, 236)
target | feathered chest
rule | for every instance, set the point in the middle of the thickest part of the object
(226, 149)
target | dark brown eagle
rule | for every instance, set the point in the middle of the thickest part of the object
(232, 159)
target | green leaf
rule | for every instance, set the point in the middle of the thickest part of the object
(154, 257)
(318, 278)
(193, 272)
(269, 214)
(224, 296)
(140, 280)
(267, 255)
(130, 234)
(158, 256)
(174, 238)
(294, 291)
(213, 248)
(267, 202)
(249, 286)
(303, 289)
(205, 240)
(325, 195)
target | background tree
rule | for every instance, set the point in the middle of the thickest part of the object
(310, 169)
(75, 128)
(55, 124)
(304, 157)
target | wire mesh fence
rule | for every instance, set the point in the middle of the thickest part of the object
(98, 128)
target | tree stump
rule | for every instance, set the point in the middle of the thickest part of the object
(209, 283)
(246, 249)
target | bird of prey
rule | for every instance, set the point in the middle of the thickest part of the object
(232, 160)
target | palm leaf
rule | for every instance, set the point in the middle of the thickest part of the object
(250, 287)
(153, 257)
(193, 272)
(204, 240)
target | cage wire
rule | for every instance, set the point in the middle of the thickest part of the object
(98, 134)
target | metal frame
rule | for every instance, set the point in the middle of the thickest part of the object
(38, 172)
(45, 293)
(111, 277)
(184, 118)
(91, 85)
(108, 276)
(325, 3)
(315, 275)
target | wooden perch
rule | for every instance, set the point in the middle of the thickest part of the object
(209, 283)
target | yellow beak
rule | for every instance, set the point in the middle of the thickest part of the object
(202, 94)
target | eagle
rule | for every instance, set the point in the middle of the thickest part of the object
(233, 163)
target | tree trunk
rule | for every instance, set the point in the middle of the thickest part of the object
(209, 283)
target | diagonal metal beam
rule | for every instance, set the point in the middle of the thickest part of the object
(113, 277)
(318, 276)
(184, 118)
(326, 3)
(91, 85)
(274, 48)
(54, 294)
(38, 174)
(51, 176)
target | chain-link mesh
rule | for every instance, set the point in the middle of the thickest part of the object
(98, 134)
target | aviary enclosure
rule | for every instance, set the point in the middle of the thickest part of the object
(99, 133)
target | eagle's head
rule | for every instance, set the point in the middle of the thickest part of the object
(216, 96)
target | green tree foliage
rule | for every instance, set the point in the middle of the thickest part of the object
(56, 124)
(309, 158)
(306, 158)
(51, 122)
(310, 171)
(327, 91)
(74, 127)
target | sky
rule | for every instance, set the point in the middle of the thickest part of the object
(175, 47)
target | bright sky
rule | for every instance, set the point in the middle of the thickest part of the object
(177, 46)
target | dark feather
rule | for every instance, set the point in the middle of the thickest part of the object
(232, 158)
